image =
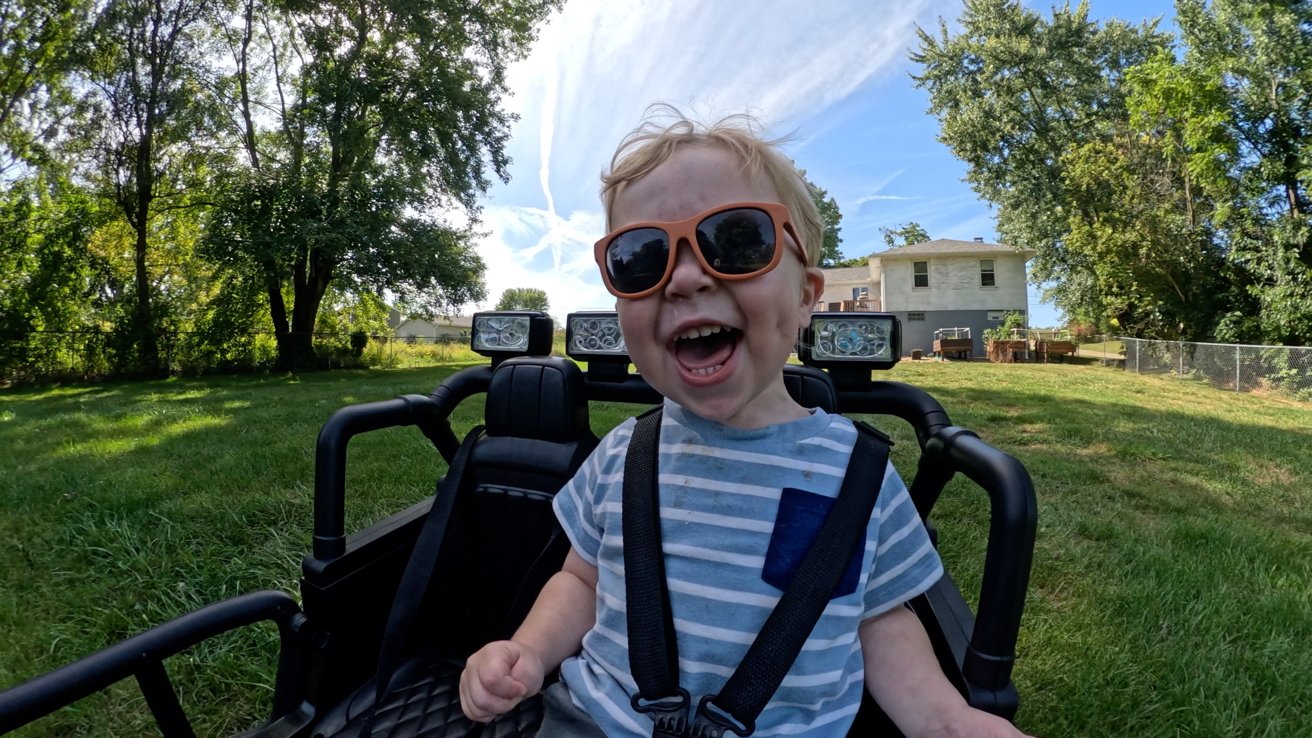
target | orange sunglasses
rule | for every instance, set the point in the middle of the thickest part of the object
(739, 240)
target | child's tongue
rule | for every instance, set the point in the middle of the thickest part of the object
(699, 353)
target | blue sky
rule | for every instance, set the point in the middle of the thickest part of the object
(833, 74)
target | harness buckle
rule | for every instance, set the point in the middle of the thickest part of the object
(712, 722)
(670, 714)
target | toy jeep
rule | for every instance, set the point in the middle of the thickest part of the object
(410, 597)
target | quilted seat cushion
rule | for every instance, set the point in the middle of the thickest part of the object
(425, 704)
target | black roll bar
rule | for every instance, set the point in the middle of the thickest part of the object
(429, 413)
(1013, 518)
(142, 656)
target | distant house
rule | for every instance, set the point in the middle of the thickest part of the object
(846, 285)
(942, 283)
(420, 329)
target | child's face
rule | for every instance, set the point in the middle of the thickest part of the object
(731, 376)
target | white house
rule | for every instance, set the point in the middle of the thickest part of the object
(428, 331)
(942, 283)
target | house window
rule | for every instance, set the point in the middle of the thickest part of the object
(920, 273)
(986, 273)
(915, 316)
(858, 293)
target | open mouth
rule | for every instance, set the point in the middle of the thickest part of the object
(703, 350)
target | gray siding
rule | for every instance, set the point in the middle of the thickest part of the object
(919, 334)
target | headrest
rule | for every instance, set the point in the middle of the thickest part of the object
(810, 387)
(544, 398)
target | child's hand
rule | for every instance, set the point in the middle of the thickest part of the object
(971, 723)
(497, 677)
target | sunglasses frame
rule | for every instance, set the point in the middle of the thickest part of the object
(686, 230)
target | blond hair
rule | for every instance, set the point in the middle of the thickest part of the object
(653, 142)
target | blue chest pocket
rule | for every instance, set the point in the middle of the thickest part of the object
(798, 522)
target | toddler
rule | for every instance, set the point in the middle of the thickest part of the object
(711, 257)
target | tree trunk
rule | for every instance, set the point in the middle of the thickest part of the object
(310, 278)
(146, 340)
(144, 324)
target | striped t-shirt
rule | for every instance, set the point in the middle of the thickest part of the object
(732, 502)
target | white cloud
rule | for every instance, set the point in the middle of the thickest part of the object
(598, 64)
(871, 198)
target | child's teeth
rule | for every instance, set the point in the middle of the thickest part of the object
(701, 331)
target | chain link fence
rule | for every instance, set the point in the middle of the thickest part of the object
(1283, 369)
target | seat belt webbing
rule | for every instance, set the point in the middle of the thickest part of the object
(418, 573)
(653, 650)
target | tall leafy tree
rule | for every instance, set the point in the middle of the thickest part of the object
(1013, 91)
(385, 113)
(524, 298)
(1158, 270)
(147, 94)
(1259, 54)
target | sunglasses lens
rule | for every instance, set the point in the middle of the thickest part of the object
(636, 259)
(737, 241)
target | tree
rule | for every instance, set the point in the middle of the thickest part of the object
(523, 298)
(36, 56)
(1013, 92)
(1258, 54)
(50, 275)
(904, 235)
(147, 95)
(1159, 270)
(383, 112)
(831, 218)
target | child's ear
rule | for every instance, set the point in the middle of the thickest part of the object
(813, 286)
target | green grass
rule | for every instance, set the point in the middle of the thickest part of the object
(1171, 593)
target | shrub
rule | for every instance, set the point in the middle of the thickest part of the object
(359, 339)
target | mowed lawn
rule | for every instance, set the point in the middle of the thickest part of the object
(1171, 593)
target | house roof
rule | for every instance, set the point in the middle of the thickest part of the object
(847, 274)
(951, 247)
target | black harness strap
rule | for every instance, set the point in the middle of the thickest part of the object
(776, 647)
(653, 650)
(415, 580)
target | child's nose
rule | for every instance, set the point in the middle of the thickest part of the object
(688, 277)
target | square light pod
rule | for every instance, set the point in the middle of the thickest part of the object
(503, 334)
(854, 340)
(595, 337)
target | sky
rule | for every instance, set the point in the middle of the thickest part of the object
(832, 75)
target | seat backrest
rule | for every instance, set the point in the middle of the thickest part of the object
(810, 387)
(504, 542)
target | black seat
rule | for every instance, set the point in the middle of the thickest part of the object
(501, 544)
(810, 387)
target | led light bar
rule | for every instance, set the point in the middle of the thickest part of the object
(591, 335)
(501, 335)
(855, 339)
